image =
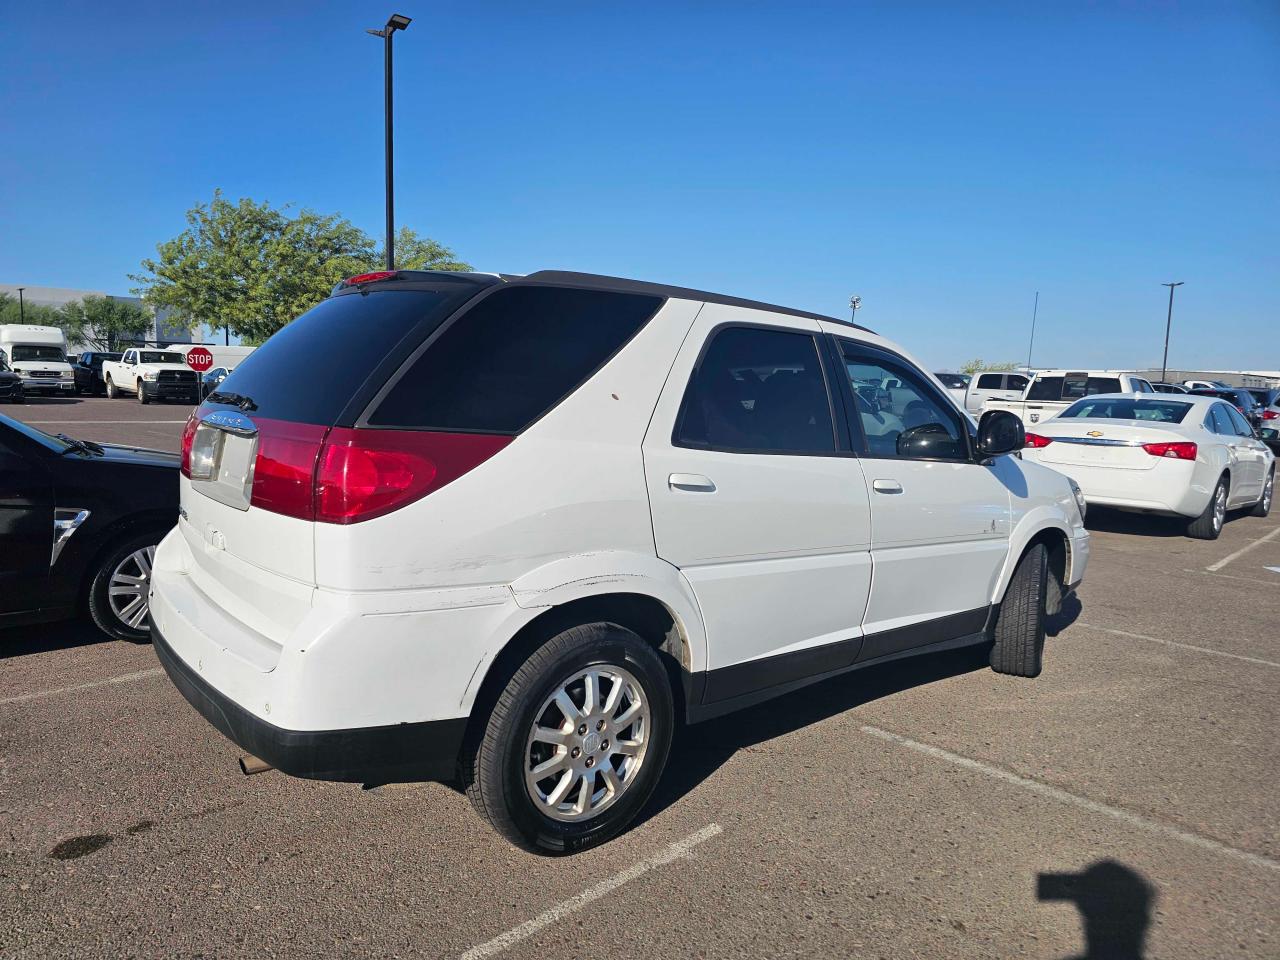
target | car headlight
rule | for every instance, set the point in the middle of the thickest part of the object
(149, 375)
(68, 374)
(1081, 505)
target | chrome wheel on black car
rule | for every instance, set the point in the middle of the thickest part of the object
(118, 596)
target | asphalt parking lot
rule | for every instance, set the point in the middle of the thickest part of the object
(1124, 804)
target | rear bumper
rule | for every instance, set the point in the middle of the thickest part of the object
(403, 752)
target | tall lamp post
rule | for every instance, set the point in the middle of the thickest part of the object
(1164, 364)
(854, 304)
(22, 306)
(397, 21)
(1035, 309)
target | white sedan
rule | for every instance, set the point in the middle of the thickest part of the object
(1186, 456)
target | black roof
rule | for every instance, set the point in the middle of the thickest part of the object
(593, 281)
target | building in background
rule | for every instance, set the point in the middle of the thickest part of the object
(1258, 379)
(165, 328)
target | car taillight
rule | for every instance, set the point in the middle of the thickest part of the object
(364, 474)
(188, 434)
(373, 277)
(285, 468)
(1269, 415)
(1035, 441)
(1181, 450)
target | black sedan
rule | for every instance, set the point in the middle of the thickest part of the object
(79, 524)
(88, 371)
(10, 384)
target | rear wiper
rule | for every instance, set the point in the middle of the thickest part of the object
(80, 446)
(235, 399)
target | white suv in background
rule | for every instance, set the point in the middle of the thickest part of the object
(519, 527)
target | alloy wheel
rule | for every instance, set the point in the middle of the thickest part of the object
(1219, 507)
(129, 586)
(587, 743)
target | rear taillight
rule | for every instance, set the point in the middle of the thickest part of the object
(285, 468)
(188, 434)
(367, 473)
(1035, 441)
(1269, 415)
(1182, 450)
(340, 475)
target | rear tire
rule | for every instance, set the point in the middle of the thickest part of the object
(1208, 525)
(112, 392)
(1263, 506)
(1019, 631)
(118, 615)
(632, 709)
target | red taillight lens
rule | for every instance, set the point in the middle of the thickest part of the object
(370, 277)
(1035, 441)
(284, 471)
(1175, 451)
(188, 434)
(1269, 415)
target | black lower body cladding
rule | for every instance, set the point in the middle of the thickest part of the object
(401, 753)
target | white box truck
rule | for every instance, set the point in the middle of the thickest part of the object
(38, 355)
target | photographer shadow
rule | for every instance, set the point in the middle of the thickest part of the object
(1115, 904)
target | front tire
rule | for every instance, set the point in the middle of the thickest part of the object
(142, 393)
(576, 742)
(1019, 630)
(118, 592)
(1263, 506)
(1208, 525)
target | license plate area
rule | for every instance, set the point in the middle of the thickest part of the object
(222, 461)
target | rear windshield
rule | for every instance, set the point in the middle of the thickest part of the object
(156, 356)
(311, 369)
(1159, 411)
(511, 358)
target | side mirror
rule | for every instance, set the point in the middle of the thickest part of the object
(930, 441)
(1000, 432)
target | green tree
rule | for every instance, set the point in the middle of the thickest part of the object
(420, 253)
(12, 311)
(103, 322)
(253, 268)
(978, 366)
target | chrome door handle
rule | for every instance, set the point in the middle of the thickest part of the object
(886, 486)
(693, 482)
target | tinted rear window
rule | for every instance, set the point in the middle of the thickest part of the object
(512, 357)
(1046, 388)
(990, 381)
(1158, 411)
(311, 369)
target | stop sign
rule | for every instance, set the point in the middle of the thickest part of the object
(199, 359)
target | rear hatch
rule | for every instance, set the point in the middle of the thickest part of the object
(250, 450)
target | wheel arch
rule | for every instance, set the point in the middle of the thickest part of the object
(1056, 537)
(109, 538)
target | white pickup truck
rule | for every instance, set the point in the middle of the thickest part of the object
(1052, 391)
(151, 375)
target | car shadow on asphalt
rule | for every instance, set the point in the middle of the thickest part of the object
(32, 400)
(1115, 904)
(44, 637)
(1102, 520)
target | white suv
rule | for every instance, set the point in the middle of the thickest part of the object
(507, 531)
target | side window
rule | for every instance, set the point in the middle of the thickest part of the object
(1219, 422)
(1141, 386)
(1102, 385)
(757, 390)
(513, 357)
(911, 420)
(1046, 388)
(1015, 381)
(989, 381)
(1239, 424)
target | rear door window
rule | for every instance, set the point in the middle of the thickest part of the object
(1219, 421)
(1239, 424)
(1102, 385)
(1015, 381)
(511, 358)
(990, 381)
(757, 390)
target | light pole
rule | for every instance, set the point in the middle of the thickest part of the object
(1164, 364)
(397, 21)
(22, 306)
(854, 303)
(1034, 310)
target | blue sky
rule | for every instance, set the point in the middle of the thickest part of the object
(944, 161)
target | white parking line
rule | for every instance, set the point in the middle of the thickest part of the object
(1181, 646)
(527, 929)
(123, 678)
(1215, 567)
(1062, 796)
(48, 423)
